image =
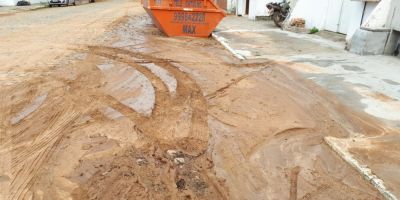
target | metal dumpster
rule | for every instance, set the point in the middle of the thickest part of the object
(197, 18)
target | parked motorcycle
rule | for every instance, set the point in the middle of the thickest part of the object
(278, 12)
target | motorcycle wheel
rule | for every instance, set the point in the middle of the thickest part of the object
(278, 19)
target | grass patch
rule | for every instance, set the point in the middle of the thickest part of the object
(313, 30)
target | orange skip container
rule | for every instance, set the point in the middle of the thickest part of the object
(197, 18)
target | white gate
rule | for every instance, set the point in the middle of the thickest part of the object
(345, 17)
(338, 16)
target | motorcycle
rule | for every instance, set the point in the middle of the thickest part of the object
(278, 12)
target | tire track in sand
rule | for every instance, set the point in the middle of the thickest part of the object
(168, 109)
(32, 141)
(178, 121)
(27, 161)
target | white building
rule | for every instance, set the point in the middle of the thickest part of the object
(250, 8)
(14, 2)
(343, 16)
(368, 24)
(371, 26)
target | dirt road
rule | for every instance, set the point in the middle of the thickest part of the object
(98, 104)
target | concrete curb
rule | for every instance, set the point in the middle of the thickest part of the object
(222, 40)
(363, 169)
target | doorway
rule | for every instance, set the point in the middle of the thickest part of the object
(247, 7)
(393, 43)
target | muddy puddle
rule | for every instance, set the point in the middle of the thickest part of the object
(143, 116)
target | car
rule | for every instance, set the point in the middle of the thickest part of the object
(23, 3)
(66, 2)
(61, 2)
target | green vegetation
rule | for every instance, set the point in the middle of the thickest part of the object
(314, 30)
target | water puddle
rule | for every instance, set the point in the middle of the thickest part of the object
(106, 66)
(111, 113)
(128, 86)
(379, 105)
(29, 109)
(168, 79)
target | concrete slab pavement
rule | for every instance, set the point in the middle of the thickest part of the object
(369, 84)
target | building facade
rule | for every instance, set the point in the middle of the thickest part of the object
(370, 26)
(14, 2)
(249, 8)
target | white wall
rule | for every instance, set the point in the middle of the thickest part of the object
(240, 7)
(7, 2)
(231, 6)
(370, 6)
(313, 11)
(14, 2)
(385, 14)
(379, 17)
(394, 16)
(355, 18)
(258, 7)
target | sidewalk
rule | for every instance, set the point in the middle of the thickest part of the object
(352, 77)
(369, 84)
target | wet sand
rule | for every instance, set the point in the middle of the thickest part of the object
(137, 115)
